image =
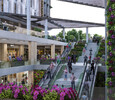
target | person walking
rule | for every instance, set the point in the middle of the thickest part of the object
(84, 97)
(88, 73)
(74, 58)
(83, 51)
(49, 73)
(70, 66)
(92, 67)
(85, 60)
(73, 78)
(85, 46)
(65, 74)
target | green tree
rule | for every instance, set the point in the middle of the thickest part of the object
(60, 35)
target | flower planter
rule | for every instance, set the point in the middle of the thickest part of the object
(16, 63)
(46, 62)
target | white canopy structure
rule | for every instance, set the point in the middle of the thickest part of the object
(95, 3)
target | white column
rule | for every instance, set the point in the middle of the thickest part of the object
(28, 18)
(86, 34)
(32, 47)
(63, 33)
(0, 6)
(5, 5)
(53, 51)
(4, 52)
(62, 49)
(18, 6)
(46, 28)
(21, 50)
(11, 6)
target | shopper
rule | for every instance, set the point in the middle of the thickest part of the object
(88, 73)
(85, 46)
(84, 97)
(49, 73)
(73, 78)
(83, 51)
(65, 74)
(92, 67)
(70, 66)
(10, 58)
(85, 60)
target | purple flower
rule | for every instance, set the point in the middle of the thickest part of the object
(112, 16)
(62, 94)
(113, 36)
(110, 83)
(110, 54)
(23, 92)
(110, 9)
(109, 43)
(113, 73)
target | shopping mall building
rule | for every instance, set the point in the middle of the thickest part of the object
(20, 53)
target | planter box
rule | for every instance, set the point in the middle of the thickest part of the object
(17, 63)
(46, 62)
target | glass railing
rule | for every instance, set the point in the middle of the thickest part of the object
(9, 64)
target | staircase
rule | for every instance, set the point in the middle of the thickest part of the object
(78, 68)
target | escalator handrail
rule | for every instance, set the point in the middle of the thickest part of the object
(41, 81)
(80, 88)
(93, 83)
(57, 69)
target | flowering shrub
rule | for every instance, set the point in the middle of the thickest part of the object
(38, 75)
(111, 48)
(12, 91)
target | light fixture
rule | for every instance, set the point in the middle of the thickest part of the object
(12, 45)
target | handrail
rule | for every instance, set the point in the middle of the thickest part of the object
(83, 78)
(93, 83)
(41, 81)
(81, 86)
(58, 68)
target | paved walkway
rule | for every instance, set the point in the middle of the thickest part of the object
(78, 68)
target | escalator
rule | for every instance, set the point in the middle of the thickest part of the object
(47, 82)
(91, 84)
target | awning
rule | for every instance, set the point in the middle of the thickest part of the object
(94, 3)
(53, 23)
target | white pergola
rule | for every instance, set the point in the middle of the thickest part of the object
(94, 3)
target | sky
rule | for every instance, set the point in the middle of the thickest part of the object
(78, 12)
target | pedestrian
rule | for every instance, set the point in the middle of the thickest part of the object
(84, 97)
(85, 46)
(73, 78)
(88, 73)
(51, 66)
(74, 58)
(49, 73)
(10, 58)
(85, 60)
(58, 58)
(83, 51)
(70, 65)
(89, 60)
(92, 67)
(65, 74)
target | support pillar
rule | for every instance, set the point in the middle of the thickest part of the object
(87, 35)
(64, 33)
(46, 28)
(4, 52)
(62, 49)
(28, 18)
(53, 51)
(32, 47)
(21, 50)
